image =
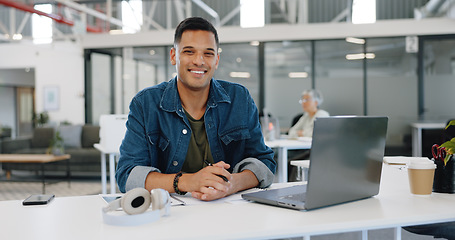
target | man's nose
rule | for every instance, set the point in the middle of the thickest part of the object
(198, 59)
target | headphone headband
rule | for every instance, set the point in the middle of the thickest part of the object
(136, 204)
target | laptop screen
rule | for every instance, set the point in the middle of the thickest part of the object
(346, 159)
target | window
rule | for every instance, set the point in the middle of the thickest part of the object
(251, 13)
(42, 26)
(363, 11)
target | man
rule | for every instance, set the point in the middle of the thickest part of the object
(194, 133)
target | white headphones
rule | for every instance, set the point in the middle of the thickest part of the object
(135, 204)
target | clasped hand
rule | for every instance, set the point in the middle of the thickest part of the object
(209, 184)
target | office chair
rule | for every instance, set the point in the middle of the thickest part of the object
(296, 119)
(295, 173)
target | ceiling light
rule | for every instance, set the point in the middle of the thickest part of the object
(355, 56)
(370, 55)
(17, 36)
(355, 40)
(152, 52)
(239, 60)
(116, 31)
(240, 74)
(254, 43)
(358, 56)
(298, 75)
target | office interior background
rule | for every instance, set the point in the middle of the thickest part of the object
(92, 56)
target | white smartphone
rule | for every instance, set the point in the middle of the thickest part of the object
(38, 199)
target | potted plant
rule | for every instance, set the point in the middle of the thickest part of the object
(40, 119)
(444, 175)
(56, 146)
(449, 145)
(5, 131)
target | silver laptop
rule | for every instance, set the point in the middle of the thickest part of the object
(346, 164)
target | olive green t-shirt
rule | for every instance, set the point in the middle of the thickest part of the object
(199, 148)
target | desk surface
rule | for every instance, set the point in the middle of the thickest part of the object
(302, 143)
(32, 158)
(81, 218)
(429, 125)
(105, 150)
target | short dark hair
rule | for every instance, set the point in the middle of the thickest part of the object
(194, 23)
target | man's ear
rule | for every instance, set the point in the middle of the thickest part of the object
(172, 56)
(217, 61)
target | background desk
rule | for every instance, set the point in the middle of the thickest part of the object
(417, 135)
(80, 217)
(282, 146)
(112, 156)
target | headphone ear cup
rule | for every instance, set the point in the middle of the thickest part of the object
(136, 201)
(160, 198)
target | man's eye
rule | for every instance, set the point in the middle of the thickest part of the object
(187, 51)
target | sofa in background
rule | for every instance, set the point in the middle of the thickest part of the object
(78, 142)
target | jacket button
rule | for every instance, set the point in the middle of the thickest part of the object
(184, 131)
(175, 163)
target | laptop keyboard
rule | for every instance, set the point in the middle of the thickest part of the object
(295, 197)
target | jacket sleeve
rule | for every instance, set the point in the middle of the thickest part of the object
(134, 162)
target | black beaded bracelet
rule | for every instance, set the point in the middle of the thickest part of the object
(176, 184)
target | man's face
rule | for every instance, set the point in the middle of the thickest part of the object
(196, 59)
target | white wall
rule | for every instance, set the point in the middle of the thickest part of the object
(57, 64)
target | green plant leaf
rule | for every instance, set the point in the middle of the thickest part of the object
(450, 146)
(451, 123)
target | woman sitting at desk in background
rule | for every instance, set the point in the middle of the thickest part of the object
(310, 100)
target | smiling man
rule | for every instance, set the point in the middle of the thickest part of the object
(194, 133)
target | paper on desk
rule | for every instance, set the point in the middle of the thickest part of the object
(234, 198)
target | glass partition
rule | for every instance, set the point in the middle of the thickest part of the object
(385, 83)
(340, 80)
(392, 86)
(287, 74)
(239, 63)
(100, 85)
(439, 79)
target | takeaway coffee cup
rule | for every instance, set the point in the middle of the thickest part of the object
(421, 175)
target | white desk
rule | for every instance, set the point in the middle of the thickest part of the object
(417, 135)
(282, 146)
(112, 156)
(80, 217)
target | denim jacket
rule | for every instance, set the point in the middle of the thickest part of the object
(158, 134)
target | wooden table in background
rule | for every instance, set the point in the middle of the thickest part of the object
(41, 159)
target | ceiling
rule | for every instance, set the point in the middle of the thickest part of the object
(75, 18)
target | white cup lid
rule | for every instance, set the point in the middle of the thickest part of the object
(422, 164)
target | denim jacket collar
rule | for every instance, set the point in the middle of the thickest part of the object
(170, 100)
